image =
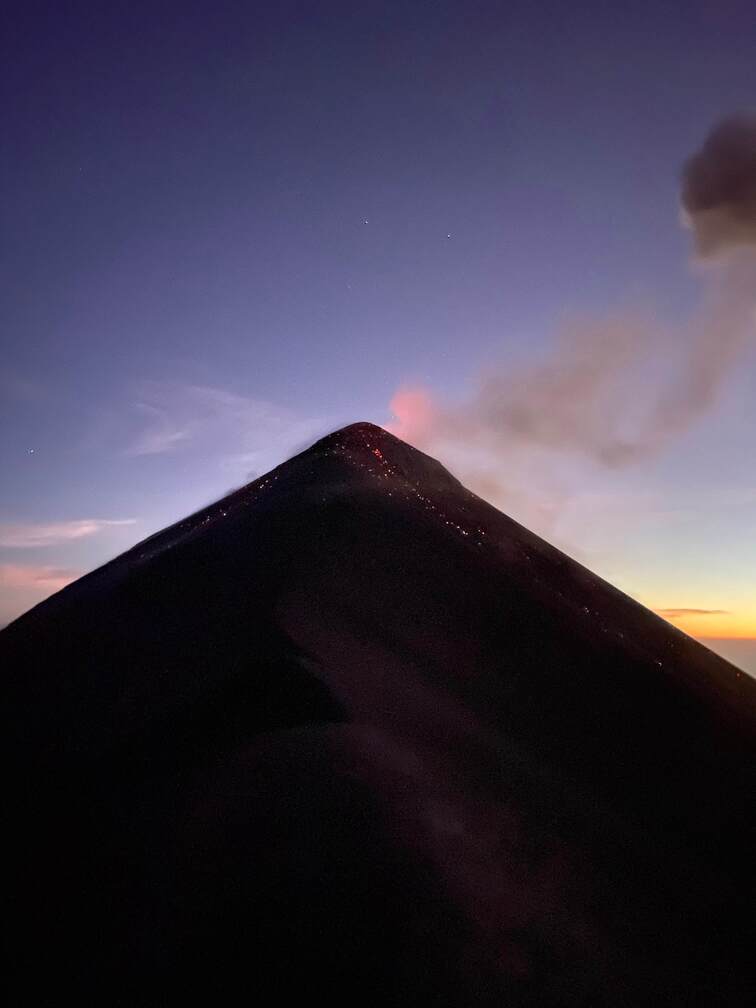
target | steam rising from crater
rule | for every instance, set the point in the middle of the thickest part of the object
(607, 392)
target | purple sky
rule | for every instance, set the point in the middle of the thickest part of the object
(229, 227)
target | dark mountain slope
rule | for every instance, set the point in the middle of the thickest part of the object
(354, 734)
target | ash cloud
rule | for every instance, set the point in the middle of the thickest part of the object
(719, 188)
(613, 392)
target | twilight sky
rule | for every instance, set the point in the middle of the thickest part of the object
(228, 228)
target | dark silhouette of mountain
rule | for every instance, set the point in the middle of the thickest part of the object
(352, 734)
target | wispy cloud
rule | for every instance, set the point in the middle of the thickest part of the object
(679, 613)
(239, 432)
(38, 579)
(24, 585)
(33, 535)
(161, 433)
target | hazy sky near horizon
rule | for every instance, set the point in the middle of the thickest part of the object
(228, 228)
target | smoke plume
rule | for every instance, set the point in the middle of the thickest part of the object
(616, 391)
(719, 188)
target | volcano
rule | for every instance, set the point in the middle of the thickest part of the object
(352, 734)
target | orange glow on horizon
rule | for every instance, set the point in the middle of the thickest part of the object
(711, 624)
(724, 636)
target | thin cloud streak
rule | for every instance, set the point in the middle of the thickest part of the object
(33, 536)
(39, 579)
(25, 585)
(160, 434)
(678, 613)
(239, 432)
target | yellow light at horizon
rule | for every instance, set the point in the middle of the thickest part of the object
(711, 623)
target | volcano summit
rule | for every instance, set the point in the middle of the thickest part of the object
(351, 733)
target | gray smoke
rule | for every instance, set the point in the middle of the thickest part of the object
(618, 390)
(611, 392)
(719, 187)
